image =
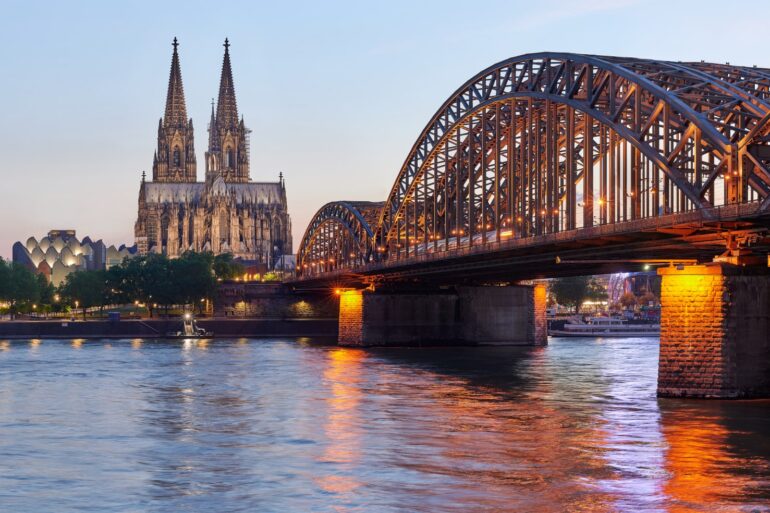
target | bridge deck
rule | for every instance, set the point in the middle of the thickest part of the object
(698, 234)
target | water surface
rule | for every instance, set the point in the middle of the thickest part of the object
(302, 426)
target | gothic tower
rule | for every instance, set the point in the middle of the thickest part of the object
(174, 159)
(228, 153)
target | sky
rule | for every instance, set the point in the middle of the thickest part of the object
(336, 92)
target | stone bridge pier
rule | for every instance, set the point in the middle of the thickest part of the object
(510, 315)
(715, 331)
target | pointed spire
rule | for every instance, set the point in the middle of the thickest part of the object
(227, 109)
(176, 111)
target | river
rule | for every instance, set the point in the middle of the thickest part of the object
(304, 426)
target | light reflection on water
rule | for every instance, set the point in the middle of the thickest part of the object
(284, 426)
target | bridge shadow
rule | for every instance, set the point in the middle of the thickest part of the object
(502, 368)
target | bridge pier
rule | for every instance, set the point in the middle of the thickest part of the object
(715, 332)
(512, 315)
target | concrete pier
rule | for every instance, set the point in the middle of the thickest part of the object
(715, 332)
(512, 315)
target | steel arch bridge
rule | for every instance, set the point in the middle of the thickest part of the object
(556, 143)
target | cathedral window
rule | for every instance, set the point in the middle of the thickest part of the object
(229, 158)
(177, 157)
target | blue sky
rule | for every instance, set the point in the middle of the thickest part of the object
(335, 92)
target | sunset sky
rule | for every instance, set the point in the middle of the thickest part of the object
(335, 92)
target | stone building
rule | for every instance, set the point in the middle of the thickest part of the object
(227, 212)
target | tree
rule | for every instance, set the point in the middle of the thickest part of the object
(225, 268)
(628, 300)
(193, 277)
(85, 289)
(23, 287)
(46, 288)
(647, 298)
(5, 280)
(573, 291)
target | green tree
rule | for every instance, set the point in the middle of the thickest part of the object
(46, 288)
(84, 289)
(24, 289)
(225, 268)
(193, 278)
(571, 291)
(5, 280)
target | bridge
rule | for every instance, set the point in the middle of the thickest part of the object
(553, 164)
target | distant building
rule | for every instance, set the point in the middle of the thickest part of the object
(225, 213)
(60, 253)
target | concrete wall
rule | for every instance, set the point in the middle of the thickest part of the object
(502, 315)
(471, 315)
(156, 328)
(715, 332)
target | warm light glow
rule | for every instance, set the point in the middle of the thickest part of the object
(506, 233)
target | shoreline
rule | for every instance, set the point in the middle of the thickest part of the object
(155, 328)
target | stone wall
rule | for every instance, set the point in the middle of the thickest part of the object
(272, 301)
(512, 315)
(715, 332)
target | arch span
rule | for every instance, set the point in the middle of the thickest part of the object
(339, 236)
(550, 142)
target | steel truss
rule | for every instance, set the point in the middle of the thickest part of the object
(338, 236)
(550, 142)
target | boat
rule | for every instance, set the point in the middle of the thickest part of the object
(190, 329)
(605, 327)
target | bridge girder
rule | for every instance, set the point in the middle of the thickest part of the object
(550, 142)
(339, 235)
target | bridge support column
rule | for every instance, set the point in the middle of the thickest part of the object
(715, 332)
(472, 315)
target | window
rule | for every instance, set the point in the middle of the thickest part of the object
(229, 158)
(177, 157)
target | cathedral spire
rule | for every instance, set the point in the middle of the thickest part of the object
(174, 159)
(176, 111)
(227, 109)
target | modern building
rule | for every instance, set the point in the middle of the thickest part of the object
(225, 213)
(60, 253)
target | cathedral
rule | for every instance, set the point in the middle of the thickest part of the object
(227, 212)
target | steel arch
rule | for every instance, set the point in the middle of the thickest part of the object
(548, 142)
(708, 120)
(339, 235)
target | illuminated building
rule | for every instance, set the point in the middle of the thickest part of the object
(227, 212)
(60, 253)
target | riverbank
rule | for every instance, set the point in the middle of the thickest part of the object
(152, 328)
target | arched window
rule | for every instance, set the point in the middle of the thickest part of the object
(229, 158)
(177, 157)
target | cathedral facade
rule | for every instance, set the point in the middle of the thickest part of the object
(227, 212)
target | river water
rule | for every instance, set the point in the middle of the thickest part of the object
(303, 426)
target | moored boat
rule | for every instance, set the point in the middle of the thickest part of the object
(606, 327)
(190, 329)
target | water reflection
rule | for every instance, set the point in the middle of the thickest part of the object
(343, 423)
(281, 426)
